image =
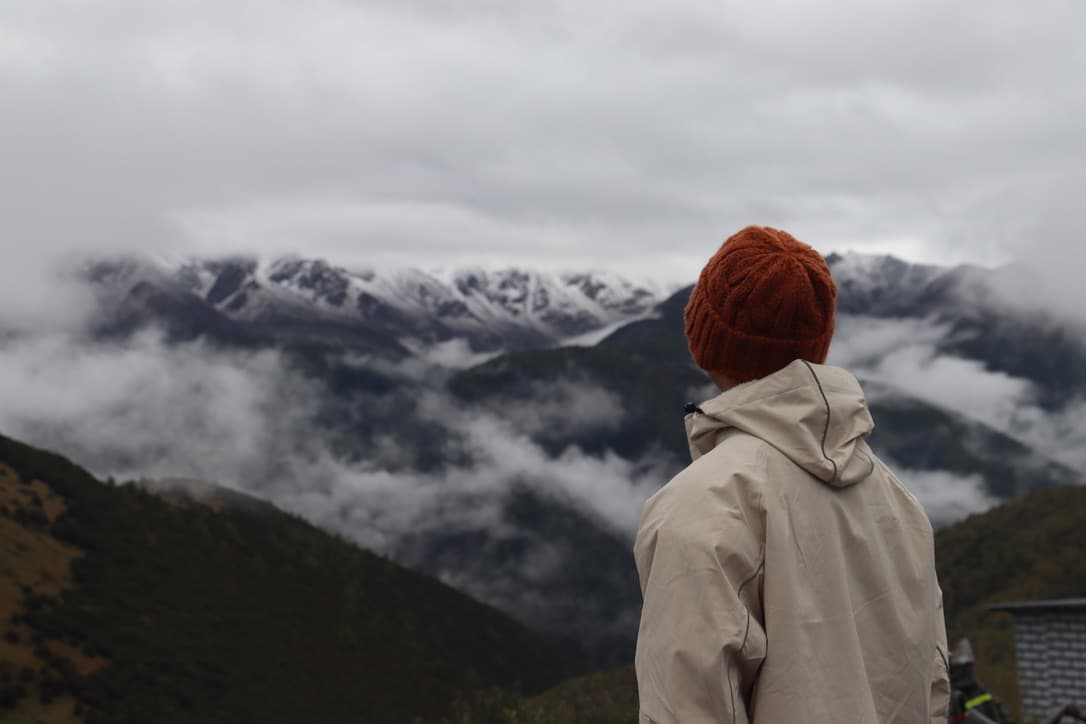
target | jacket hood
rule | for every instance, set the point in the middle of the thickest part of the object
(815, 415)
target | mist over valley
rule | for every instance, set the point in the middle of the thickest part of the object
(500, 429)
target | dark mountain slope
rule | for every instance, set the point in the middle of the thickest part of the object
(175, 613)
(1034, 347)
(652, 388)
(556, 568)
(920, 436)
(647, 364)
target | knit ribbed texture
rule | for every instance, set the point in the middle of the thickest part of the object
(763, 300)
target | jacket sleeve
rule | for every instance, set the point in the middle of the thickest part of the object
(702, 639)
(940, 682)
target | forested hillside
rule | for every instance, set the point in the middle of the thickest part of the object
(120, 606)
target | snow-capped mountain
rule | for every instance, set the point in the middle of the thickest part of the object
(974, 313)
(519, 479)
(491, 310)
(882, 285)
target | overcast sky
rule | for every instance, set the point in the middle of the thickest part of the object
(624, 134)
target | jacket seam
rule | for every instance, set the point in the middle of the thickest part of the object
(746, 633)
(826, 430)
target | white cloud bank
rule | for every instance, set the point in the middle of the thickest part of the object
(946, 497)
(146, 409)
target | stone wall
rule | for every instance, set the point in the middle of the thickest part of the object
(1051, 652)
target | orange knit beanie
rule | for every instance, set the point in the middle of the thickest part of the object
(763, 300)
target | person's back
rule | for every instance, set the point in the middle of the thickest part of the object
(787, 575)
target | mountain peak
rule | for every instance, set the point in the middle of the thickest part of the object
(880, 284)
(492, 309)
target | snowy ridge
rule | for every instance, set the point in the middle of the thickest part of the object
(880, 271)
(497, 309)
(491, 309)
(885, 286)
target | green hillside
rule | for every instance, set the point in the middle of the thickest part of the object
(119, 606)
(606, 697)
(1028, 549)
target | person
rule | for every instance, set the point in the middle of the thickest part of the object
(968, 694)
(788, 576)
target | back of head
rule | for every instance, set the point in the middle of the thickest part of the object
(763, 300)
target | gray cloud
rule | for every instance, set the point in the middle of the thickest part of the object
(631, 135)
(453, 354)
(142, 408)
(861, 342)
(946, 497)
(901, 355)
(1061, 434)
(39, 293)
(574, 407)
(146, 409)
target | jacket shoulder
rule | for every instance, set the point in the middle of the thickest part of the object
(912, 508)
(728, 480)
(711, 516)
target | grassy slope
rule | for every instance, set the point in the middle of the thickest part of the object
(176, 613)
(37, 564)
(606, 697)
(1028, 549)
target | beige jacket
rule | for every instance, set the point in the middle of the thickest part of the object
(788, 576)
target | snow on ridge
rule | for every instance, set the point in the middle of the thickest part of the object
(519, 305)
(855, 264)
(522, 289)
(867, 272)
